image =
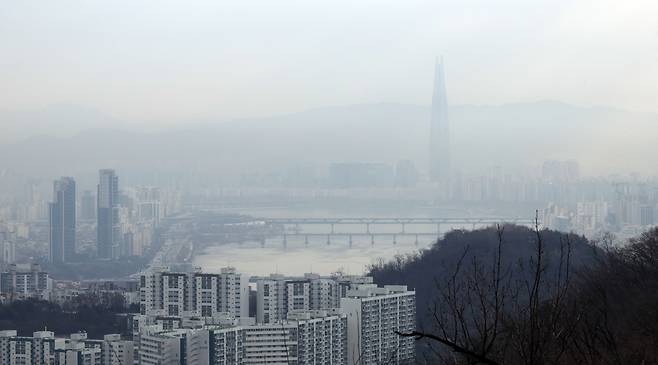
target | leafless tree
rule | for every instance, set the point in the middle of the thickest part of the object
(504, 313)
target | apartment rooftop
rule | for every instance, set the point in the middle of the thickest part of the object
(372, 290)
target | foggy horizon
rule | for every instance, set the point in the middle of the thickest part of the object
(173, 61)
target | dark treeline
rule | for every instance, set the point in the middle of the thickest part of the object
(86, 313)
(421, 271)
(94, 270)
(513, 295)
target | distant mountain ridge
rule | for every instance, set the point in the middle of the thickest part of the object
(510, 135)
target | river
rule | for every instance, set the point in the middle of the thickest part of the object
(295, 257)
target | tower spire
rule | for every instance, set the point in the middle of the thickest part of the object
(439, 128)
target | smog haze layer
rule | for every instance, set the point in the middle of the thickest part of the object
(353, 80)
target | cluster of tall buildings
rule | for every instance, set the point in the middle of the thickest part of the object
(193, 317)
(626, 208)
(299, 320)
(125, 221)
(62, 218)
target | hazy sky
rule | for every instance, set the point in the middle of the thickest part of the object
(164, 60)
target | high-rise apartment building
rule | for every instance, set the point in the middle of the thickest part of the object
(25, 281)
(108, 228)
(315, 337)
(44, 348)
(373, 316)
(167, 293)
(181, 346)
(278, 295)
(61, 219)
(38, 349)
(271, 298)
(306, 337)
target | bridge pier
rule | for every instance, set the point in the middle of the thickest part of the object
(395, 239)
(262, 242)
(328, 239)
(403, 228)
(332, 228)
(372, 239)
(350, 241)
(416, 241)
(306, 240)
(368, 228)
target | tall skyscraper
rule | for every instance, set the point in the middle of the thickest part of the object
(439, 129)
(108, 229)
(61, 218)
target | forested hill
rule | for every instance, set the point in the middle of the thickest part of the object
(430, 268)
(553, 298)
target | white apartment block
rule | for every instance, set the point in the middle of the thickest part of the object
(181, 346)
(307, 337)
(156, 348)
(271, 299)
(165, 293)
(38, 349)
(76, 353)
(44, 348)
(116, 351)
(270, 344)
(321, 338)
(373, 316)
(227, 346)
(278, 295)
(298, 296)
(25, 281)
(324, 293)
(234, 290)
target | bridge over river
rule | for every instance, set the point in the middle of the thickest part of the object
(353, 227)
